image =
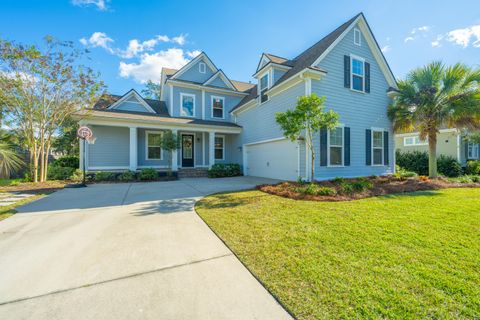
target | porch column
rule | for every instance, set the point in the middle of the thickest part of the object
(175, 154)
(211, 149)
(133, 149)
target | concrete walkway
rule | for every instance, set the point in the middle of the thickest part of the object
(126, 251)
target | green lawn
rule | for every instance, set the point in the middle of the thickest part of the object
(7, 211)
(407, 256)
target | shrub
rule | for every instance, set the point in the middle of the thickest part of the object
(311, 189)
(415, 161)
(224, 170)
(449, 166)
(77, 175)
(127, 176)
(346, 187)
(423, 178)
(148, 174)
(67, 161)
(362, 185)
(59, 173)
(338, 180)
(300, 180)
(326, 191)
(104, 176)
(402, 174)
(473, 167)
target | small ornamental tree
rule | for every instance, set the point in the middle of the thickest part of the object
(169, 143)
(308, 118)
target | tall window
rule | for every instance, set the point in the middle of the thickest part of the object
(473, 151)
(377, 147)
(154, 150)
(358, 74)
(188, 104)
(263, 87)
(336, 147)
(220, 148)
(217, 107)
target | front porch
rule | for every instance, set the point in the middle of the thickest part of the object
(120, 148)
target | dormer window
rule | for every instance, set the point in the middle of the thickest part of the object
(263, 88)
(202, 67)
(357, 38)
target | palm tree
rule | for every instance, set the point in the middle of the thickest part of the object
(9, 160)
(437, 96)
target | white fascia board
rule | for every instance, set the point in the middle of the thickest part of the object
(137, 96)
(224, 78)
(270, 65)
(206, 88)
(202, 56)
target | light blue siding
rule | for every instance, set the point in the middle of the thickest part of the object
(166, 98)
(142, 151)
(177, 101)
(132, 106)
(111, 149)
(359, 111)
(193, 74)
(230, 102)
(218, 82)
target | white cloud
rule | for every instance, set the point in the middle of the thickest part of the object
(407, 39)
(150, 65)
(386, 49)
(437, 42)
(194, 53)
(465, 36)
(181, 39)
(100, 4)
(163, 38)
(99, 39)
(420, 29)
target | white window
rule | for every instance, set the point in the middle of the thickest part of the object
(473, 150)
(357, 74)
(357, 37)
(218, 104)
(377, 148)
(153, 145)
(414, 141)
(188, 104)
(264, 87)
(219, 148)
(202, 67)
(335, 147)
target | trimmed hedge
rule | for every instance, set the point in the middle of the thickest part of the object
(224, 170)
(417, 161)
(148, 174)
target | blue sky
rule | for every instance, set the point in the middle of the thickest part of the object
(131, 40)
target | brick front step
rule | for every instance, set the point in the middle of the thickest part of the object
(192, 173)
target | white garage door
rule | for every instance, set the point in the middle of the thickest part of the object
(276, 160)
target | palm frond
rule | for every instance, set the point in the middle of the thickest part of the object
(9, 160)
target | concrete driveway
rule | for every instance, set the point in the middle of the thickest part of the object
(126, 251)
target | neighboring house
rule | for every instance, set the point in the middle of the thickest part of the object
(450, 142)
(225, 121)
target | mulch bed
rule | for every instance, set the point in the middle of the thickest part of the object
(34, 188)
(384, 185)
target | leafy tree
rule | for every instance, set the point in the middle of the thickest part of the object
(152, 90)
(170, 142)
(307, 118)
(66, 141)
(41, 87)
(436, 96)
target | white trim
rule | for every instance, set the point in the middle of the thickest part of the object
(147, 133)
(262, 59)
(299, 175)
(202, 56)
(308, 86)
(383, 146)
(355, 57)
(223, 147)
(203, 104)
(211, 149)
(200, 65)
(171, 100)
(154, 167)
(180, 83)
(133, 149)
(414, 144)
(273, 65)
(265, 141)
(223, 77)
(408, 134)
(137, 96)
(459, 144)
(343, 149)
(376, 51)
(357, 35)
(267, 73)
(223, 106)
(182, 94)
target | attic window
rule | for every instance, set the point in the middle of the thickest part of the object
(357, 38)
(202, 67)
(263, 88)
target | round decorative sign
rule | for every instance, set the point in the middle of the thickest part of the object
(84, 133)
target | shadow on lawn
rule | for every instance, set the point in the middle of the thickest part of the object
(424, 193)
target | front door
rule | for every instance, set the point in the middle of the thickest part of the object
(187, 150)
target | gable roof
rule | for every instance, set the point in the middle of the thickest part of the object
(107, 100)
(202, 56)
(222, 76)
(307, 58)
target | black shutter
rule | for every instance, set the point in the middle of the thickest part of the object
(368, 147)
(346, 156)
(346, 71)
(385, 148)
(323, 147)
(466, 149)
(367, 77)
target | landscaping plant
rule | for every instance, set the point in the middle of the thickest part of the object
(221, 170)
(473, 167)
(148, 174)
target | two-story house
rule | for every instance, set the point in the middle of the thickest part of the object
(221, 120)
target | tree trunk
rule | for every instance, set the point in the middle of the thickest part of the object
(45, 161)
(34, 159)
(42, 164)
(312, 164)
(432, 154)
